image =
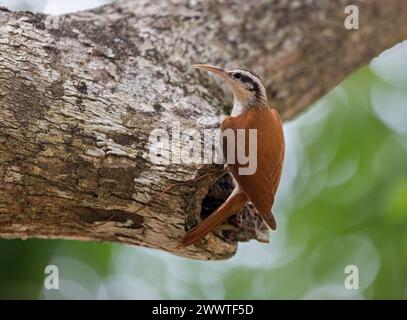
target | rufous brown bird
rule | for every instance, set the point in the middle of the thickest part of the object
(250, 111)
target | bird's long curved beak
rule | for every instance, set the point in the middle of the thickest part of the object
(219, 71)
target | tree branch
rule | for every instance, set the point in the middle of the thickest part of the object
(79, 101)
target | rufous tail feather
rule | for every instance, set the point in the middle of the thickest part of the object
(270, 221)
(233, 204)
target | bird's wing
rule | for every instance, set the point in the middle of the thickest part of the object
(261, 186)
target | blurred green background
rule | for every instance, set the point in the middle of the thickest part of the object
(343, 201)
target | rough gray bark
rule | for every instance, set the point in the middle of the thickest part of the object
(77, 104)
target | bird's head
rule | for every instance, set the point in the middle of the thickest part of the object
(248, 89)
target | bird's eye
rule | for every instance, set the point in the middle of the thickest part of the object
(237, 75)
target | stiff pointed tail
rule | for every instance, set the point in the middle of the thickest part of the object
(269, 220)
(234, 203)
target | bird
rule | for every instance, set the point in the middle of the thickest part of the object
(251, 110)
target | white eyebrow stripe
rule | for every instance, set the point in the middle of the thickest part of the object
(254, 78)
(250, 75)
